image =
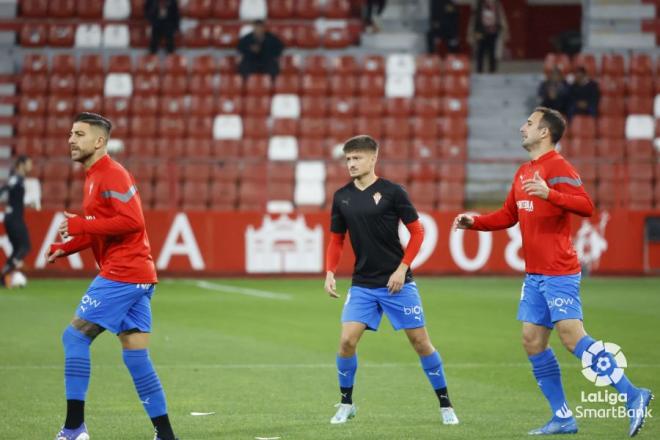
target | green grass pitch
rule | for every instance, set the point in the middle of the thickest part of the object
(260, 354)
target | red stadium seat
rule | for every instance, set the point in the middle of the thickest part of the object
(287, 83)
(641, 64)
(429, 65)
(612, 127)
(165, 195)
(639, 105)
(457, 86)
(251, 196)
(62, 84)
(255, 128)
(144, 106)
(35, 63)
(394, 170)
(204, 64)
(29, 146)
(396, 128)
(62, 8)
(256, 106)
(139, 35)
(612, 149)
(314, 85)
(53, 194)
(454, 149)
(454, 107)
(175, 84)
(202, 105)
(427, 107)
(197, 8)
(120, 64)
(342, 106)
(228, 65)
(258, 84)
(586, 61)
(423, 194)
(89, 103)
(642, 171)
(452, 172)
(451, 194)
(313, 106)
(642, 86)
(612, 86)
(33, 35)
(398, 107)
(580, 148)
(56, 170)
(372, 65)
(34, 8)
(337, 9)
(195, 172)
(308, 9)
(428, 86)
(370, 106)
(280, 172)
(32, 105)
(63, 63)
(284, 127)
(426, 128)
(121, 106)
(90, 84)
(312, 148)
(612, 64)
(176, 64)
(395, 149)
(337, 38)
(315, 65)
(57, 149)
(341, 128)
(230, 105)
(343, 85)
(172, 105)
(203, 84)
(343, 65)
(87, 9)
(120, 127)
(372, 126)
(141, 168)
(225, 9)
(313, 127)
(453, 128)
(611, 106)
(610, 171)
(148, 64)
(33, 84)
(307, 37)
(200, 127)
(231, 85)
(142, 149)
(423, 149)
(200, 36)
(91, 64)
(280, 9)
(61, 35)
(458, 65)
(280, 191)
(225, 149)
(582, 127)
(143, 126)
(639, 150)
(254, 170)
(223, 196)
(371, 85)
(587, 169)
(61, 106)
(146, 84)
(290, 64)
(171, 127)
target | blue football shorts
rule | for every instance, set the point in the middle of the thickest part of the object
(546, 299)
(366, 305)
(117, 306)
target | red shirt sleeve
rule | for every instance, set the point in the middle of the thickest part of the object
(118, 188)
(567, 191)
(503, 218)
(76, 244)
(333, 253)
(416, 238)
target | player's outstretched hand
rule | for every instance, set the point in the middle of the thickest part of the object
(536, 187)
(331, 285)
(52, 256)
(463, 221)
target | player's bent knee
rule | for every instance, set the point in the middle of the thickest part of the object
(87, 328)
(347, 346)
(533, 344)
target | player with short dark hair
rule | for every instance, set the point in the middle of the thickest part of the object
(370, 209)
(14, 218)
(119, 298)
(545, 192)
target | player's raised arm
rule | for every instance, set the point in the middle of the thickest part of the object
(503, 218)
(567, 191)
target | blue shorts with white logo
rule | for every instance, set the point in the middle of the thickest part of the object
(117, 306)
(546, 299)
(403, 309)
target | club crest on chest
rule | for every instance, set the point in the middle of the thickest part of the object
(377, 197)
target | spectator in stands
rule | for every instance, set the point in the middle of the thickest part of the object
(164, 18)
(260, 51)
(583, 95)
(553, 92)
(373, 8)
(444, 25)
(487, 24)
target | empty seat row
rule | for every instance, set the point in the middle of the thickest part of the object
(609, 64)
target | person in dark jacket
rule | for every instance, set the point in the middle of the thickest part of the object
(488, 29)
(14, 222)
(164, 18)
(583, 95)
(553, 92)
(260, 51)
(444, 25)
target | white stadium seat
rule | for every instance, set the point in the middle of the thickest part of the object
(116, 9)
(285, 106)
(227, 127)
(400, 64)
(116, 35)
(118, 84)
(640, 127)
(283, 148)
(253, 10)
(399, 86)
(309, 193)
(88, 35)
(310, 170)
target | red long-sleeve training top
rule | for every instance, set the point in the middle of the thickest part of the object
(544, 224)
(113, 225)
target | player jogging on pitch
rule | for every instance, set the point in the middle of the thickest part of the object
(14, 222)
(370, 209)
(119, 297)
(544, 193)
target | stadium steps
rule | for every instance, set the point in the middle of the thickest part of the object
(617, 24)
(498, 105)
(402, 27)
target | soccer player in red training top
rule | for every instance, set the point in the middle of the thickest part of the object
(370, 209)
(119, 297)
(544, 193)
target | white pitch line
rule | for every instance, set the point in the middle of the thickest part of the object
(457, 366)
(242, 290)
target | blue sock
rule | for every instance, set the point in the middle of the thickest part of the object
(346, 368)
(77, 366)
(432, 365)
(146, 382)
(548, 377)
(623, 386)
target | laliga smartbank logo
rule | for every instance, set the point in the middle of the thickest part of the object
(598, 366)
